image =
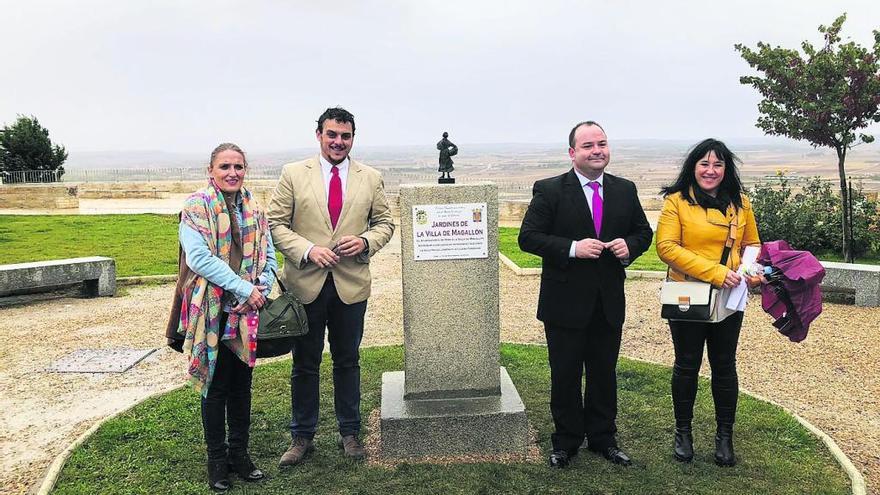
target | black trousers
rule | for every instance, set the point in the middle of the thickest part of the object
(345, 329)
(228, 402)
(720, 339)
(572, 351)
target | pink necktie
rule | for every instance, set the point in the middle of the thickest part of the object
(334, 201)
(597, 208)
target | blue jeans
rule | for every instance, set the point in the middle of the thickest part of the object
(345, 327)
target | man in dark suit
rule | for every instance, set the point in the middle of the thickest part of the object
(586, 226)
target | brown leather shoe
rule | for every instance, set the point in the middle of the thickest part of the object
(300, 447)
(352, 447)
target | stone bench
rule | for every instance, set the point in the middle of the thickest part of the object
(97, 275)
(863, 280)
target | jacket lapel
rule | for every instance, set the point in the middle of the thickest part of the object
(316, 178)
(612, 199)
(352, 187)
(575, 193)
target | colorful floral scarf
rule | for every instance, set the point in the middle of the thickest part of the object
(206, 212)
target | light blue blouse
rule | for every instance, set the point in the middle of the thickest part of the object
(200, 260)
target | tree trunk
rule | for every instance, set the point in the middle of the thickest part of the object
(844, 196)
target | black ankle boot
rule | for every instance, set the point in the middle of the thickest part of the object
(684, 442)
(724, 455)
(218, 475)
(242, 465)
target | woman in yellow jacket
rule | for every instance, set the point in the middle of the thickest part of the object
(694, 225)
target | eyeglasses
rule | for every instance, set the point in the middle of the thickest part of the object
(225, 166)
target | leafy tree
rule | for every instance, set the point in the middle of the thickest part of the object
(823, 96)
(25, 145)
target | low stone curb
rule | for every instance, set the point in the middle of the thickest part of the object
(54, 469)
(855, 476)
(649, 274)
(856, 479)
(515, 268)
(146, 279)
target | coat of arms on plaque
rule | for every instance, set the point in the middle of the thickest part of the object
(421, 217)
(478, 215)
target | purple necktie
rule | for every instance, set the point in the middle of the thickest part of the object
(597, 208)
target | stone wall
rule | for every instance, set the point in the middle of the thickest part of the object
(39, 196)
(509, 210)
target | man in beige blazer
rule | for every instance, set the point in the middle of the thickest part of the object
(328, 216)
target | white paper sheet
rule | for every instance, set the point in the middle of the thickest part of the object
(737, 297)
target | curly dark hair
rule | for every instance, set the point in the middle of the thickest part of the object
(338, 114)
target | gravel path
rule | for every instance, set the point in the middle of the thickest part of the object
(830, 379)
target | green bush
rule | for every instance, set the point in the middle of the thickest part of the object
(811, 218)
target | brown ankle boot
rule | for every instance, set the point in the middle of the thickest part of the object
(300, 447)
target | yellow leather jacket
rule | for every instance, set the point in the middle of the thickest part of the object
(690, 238)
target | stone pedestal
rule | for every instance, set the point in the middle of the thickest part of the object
(452, 397)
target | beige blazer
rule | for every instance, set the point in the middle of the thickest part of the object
(298, 216)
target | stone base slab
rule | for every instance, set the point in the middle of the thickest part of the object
(443, 427)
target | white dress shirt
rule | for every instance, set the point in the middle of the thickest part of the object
(327, 172)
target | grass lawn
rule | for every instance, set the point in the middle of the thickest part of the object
(509, 247)
(872, 259)
(157, 447)
(143, 244)
(146, 244)
(140, 244)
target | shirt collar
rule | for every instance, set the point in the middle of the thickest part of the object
(326, 165)
(584, 181)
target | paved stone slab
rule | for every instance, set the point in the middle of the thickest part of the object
(115, 360)
(485, 425)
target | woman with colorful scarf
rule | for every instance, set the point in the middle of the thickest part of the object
(226, 271)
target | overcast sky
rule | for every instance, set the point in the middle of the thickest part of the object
(184, 76)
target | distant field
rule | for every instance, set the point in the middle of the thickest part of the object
(507, 244)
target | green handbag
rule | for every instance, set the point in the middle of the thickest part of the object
(281, 320)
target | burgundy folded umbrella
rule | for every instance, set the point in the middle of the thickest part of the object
(793, 296)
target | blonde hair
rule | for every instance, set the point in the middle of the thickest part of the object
(227, 147)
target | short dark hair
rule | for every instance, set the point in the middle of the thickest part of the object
(731, 186)
(575, 128)
(445, 134)
(338, 114)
